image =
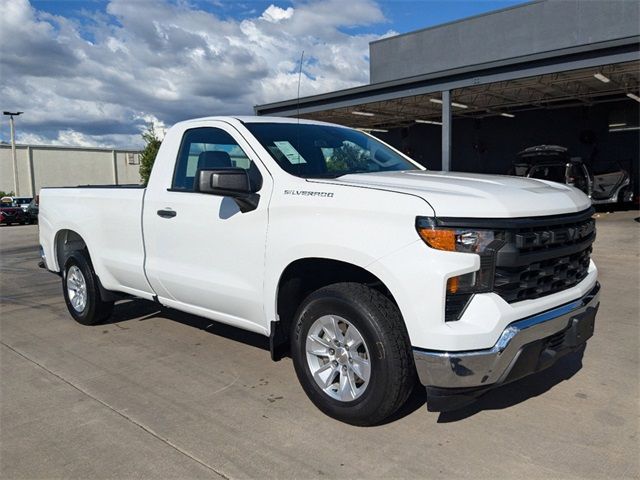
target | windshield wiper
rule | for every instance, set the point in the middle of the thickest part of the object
(352, 172)
(324, 175)
(336, 175)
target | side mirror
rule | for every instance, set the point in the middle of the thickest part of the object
(228, 182)
(225, 181)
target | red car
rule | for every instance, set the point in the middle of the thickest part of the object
(10, 214)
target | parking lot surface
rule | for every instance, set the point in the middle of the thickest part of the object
(161, 394)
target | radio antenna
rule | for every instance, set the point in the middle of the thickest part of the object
(299, 80)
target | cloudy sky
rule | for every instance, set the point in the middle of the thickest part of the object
(94, 73)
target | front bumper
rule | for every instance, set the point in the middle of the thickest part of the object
(524, 347)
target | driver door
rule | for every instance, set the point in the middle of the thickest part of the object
(203, 255)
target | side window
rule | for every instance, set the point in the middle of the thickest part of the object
(208, 148)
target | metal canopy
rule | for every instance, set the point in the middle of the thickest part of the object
(584, 75)
(508, 97)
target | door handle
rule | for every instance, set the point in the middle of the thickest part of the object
(167, 213)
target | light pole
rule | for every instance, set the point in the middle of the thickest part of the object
(13, 151)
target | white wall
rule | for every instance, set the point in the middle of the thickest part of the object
(44, 166)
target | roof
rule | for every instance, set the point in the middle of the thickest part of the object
(256, 119)
(506, 96)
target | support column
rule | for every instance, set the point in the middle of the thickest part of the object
(14, 158)
(32, 180)
(115, 167)
(446, 130)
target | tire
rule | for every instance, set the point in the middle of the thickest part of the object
(621, 195)
(81, 291)
(355, 397)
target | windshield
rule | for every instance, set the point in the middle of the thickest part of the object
(555, 173)
(325, 151)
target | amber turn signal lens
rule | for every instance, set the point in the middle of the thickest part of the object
(452, 285)
(439, 239)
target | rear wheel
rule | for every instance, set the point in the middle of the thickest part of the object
(351, 353)
(625, 195)
(81, 291)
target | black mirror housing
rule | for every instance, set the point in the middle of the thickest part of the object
(228, 182)
(223, 181)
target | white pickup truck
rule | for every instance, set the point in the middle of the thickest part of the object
(367, 269)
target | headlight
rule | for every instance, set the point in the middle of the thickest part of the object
(482, 242)
(457, 240)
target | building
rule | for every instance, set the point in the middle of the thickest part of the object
(468, 95)
(52, 166)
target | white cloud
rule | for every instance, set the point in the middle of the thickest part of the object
(79, 139)
(102, 79)
(275, 14)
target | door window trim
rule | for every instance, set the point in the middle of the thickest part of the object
(225, 127)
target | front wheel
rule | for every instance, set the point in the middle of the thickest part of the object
(82, 293)
(351, 353)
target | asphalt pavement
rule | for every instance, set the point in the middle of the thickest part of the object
(162, 394)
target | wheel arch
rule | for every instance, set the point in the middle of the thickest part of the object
(302, 277)
(66, 242)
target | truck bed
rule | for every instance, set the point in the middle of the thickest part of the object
(108, 218)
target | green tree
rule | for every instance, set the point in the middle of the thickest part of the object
(348, 157)
(148, 155)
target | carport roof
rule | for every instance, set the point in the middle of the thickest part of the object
(542, 81)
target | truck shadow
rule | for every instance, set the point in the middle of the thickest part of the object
(500, 398)
(140, 310)
(520, 390)
(133, 309)
(220, 329)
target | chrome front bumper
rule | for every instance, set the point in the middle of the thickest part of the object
(566, 327)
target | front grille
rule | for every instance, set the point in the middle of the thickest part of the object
(541, 278)
(543, 260)
(541, 238)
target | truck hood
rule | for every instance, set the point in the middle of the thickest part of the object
(455, 194)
